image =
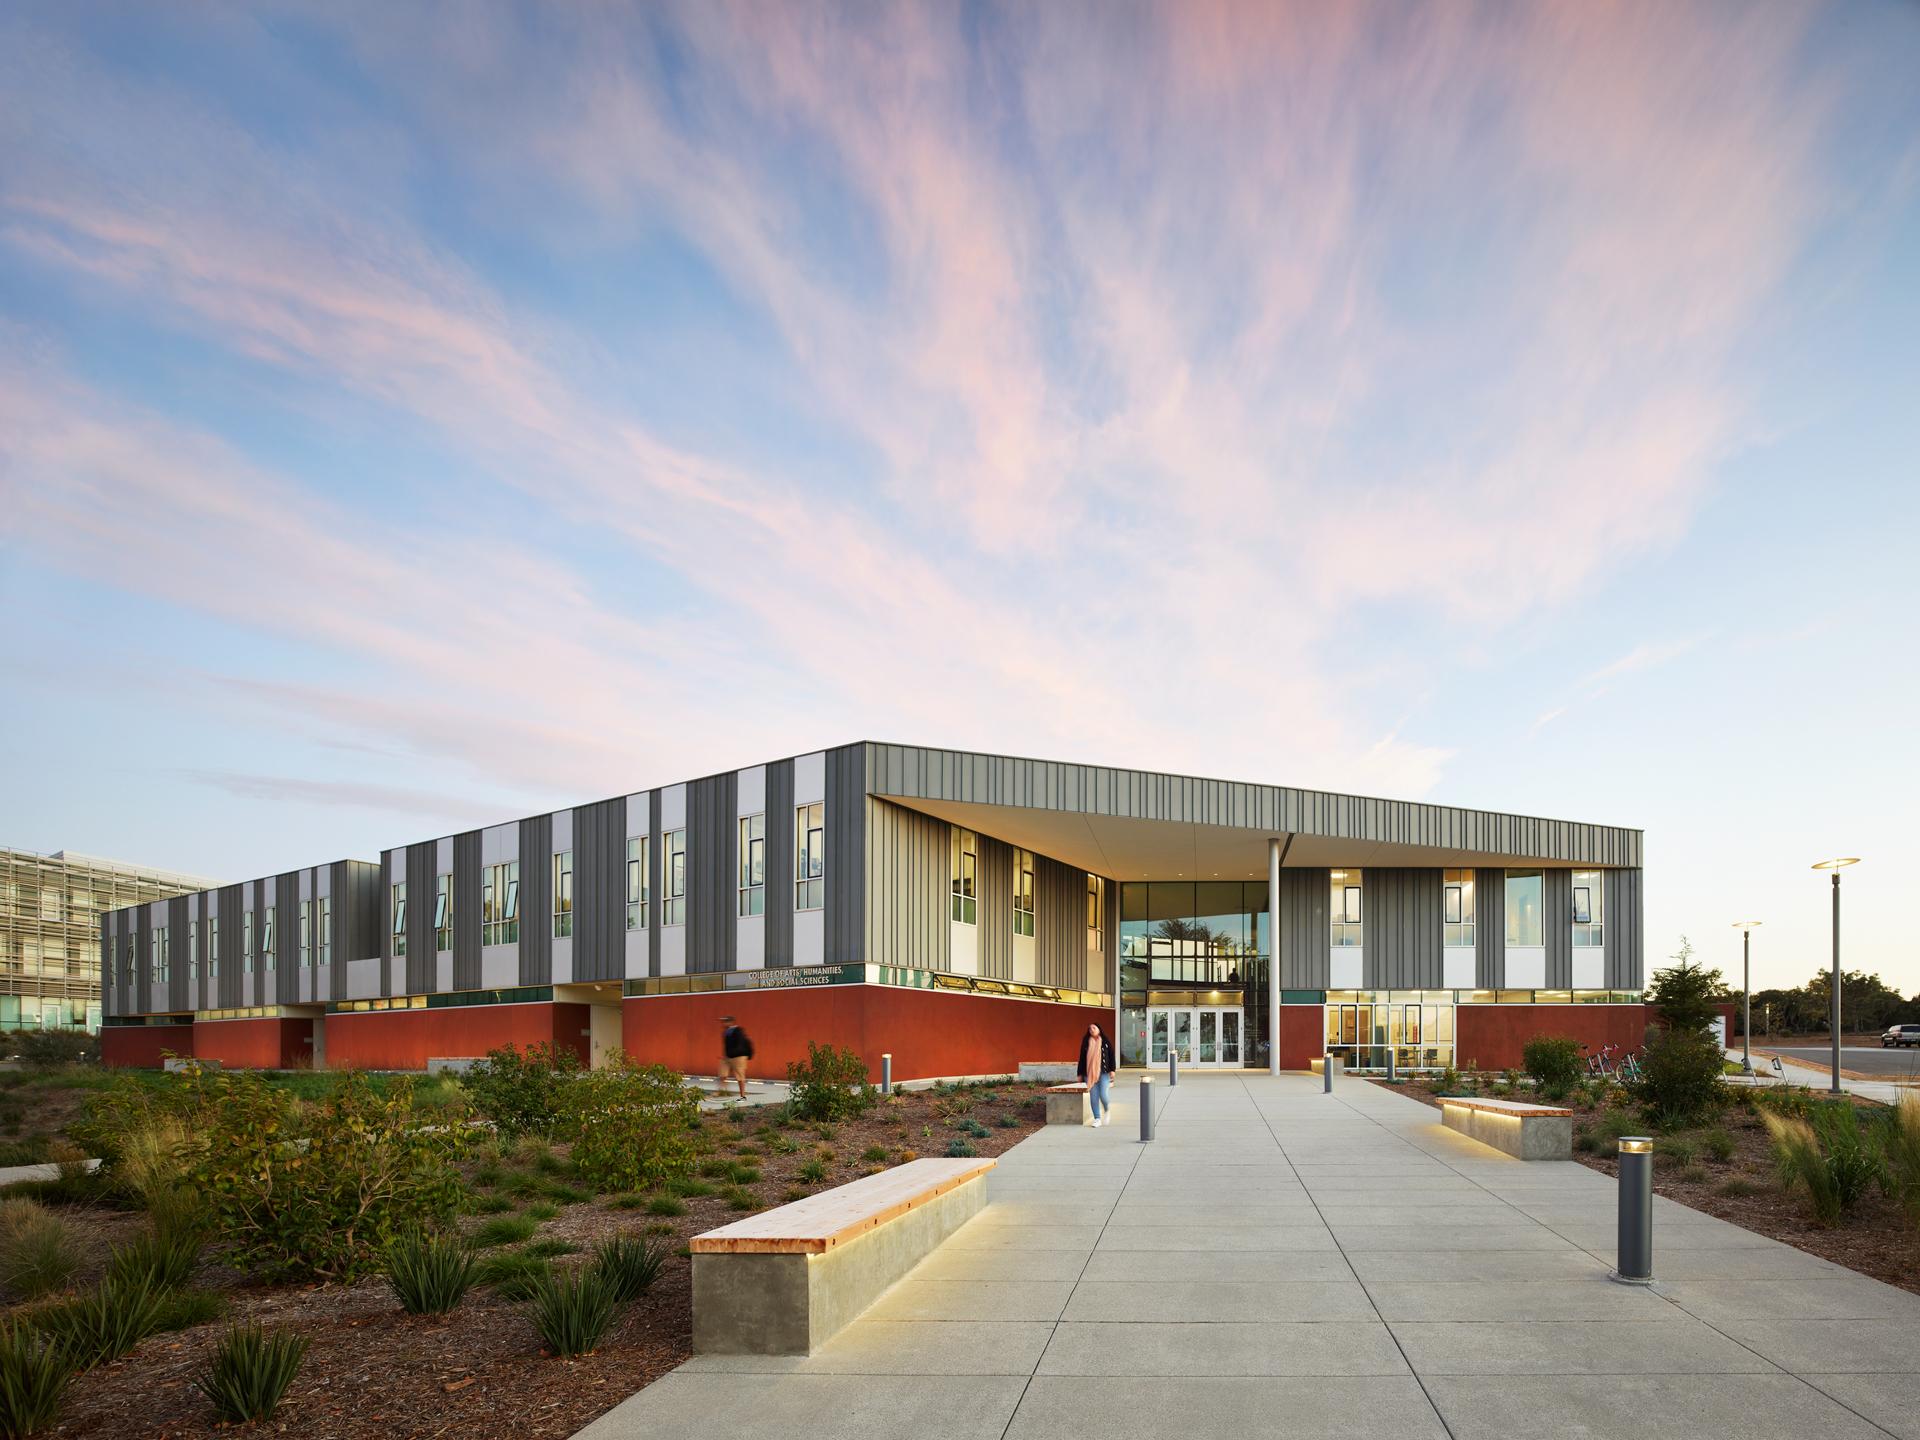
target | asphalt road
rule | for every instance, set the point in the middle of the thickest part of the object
(1865, 1059)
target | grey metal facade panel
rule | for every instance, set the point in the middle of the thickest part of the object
(780, 879)
(257, 966)
(908, 916)
(845, 922)
(536, 897)
(994, 881)
(712, 873)
(142, 961)
(1556, 926)
(1489, 928)
(466, 910)
(180, 957)
(655, 860)
(286, 938)
(230, 988)
(1110, 949)
(340, 901)
(1624, 937)
(966, 778)
(384, 930)
(423, 894)
(199, 931)
(1404, 929)
(599, 891)
(1059, 924)
(356, 934)
(1305, 963)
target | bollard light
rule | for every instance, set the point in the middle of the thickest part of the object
(1634, 1264)
(1326, 1073)
(886, 1073)
(1146, 1108)
(1173, 1065)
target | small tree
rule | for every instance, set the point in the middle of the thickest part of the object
(828, 1084)
(1686, 996)
(631, 1125)
(521, 1091)
(1554, 1063)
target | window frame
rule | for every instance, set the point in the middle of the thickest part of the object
(751, 899)
(1096, 913)
(1346, 909)
(1590, 933)
(397, 904)
(1023, 868)
(673, 877)
(306, 934)
(213, 947)
(1513, 913)
(1459, 925)
(269, 956)
(443, 912)
(964, 872)
(563, 894)
(810, 855)
(500, 917)
(326, 929)
(637, 882)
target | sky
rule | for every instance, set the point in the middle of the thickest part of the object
(417, 416)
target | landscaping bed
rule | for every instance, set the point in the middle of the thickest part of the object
(523, 1205)
(1726, 1168)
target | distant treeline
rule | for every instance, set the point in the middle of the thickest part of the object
(1866, 1003)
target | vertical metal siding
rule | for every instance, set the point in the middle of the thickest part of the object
(1059, 923)
(143, 961)
(385, 925)
(286, 938)
(1110, 952)
(1303, 939)
(180, 957)
(1403, 932)
(994, 881)
(259, 981)
(1556, 926)
(466, 909)
(198, 990)
(1624, 914)
(712, 872)
(780, 849)
(846, 909)
(423, 884)
(907, 907)
(1489, 928)
(654, 893)
(536, 898)
(599, 891)
(229, 989)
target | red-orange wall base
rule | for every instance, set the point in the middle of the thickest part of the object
(407, 1039)
(143, 1047)
(1491, 1037)
(267, 1044)
(1303, 1035)
(930, 1033)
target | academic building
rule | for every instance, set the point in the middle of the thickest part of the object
(961, 912)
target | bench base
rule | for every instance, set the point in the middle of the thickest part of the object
(1532, 1137)
(1068, 1105)
(1054, 1072)
(746, 1304)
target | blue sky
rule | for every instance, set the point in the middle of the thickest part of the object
(418, 416)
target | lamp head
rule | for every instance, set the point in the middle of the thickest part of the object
(1747, 924)
(1839, 864)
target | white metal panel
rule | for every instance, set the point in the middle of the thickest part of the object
(963, 948)
(638, 967)
(443, 972)
(499, 967)
(673, 950)
(1526, 968)
(1456, 967)
(1589, 967)
(499, 844)
(810, 778)
(443, 856)
(751, 791)
(363, 979)
(639, 812)
(562, 831)
(1025, 962)
(750, 943)
(810, 937)
(673, 809)
(1345, 965)
(562, 957)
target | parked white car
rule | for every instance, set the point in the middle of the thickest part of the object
(1900, 1035)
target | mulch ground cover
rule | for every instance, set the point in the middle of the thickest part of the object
(374, 1371)
(1875, 1239)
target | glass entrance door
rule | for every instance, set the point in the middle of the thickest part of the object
(1207, 1036)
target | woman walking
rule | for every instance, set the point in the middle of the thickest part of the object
(1096, 1070)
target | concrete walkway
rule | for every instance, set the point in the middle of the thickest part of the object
(1279, 1262)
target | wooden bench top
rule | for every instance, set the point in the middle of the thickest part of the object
(1077, 1087)
(1520, 1108)
(818, 1223)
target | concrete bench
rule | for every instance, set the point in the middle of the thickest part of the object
(1522, 1130)
(785, 1281)
(451, 1064)
(1068, 1104)
(1051, 1070)
(1319, 1063)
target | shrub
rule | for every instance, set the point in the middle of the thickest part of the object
(687, 1188)
(1586, 1141)
(1900, 1148)
(1680, 1082)
(743, 1174)
(812, 1171)
(793, 1193)
(829, 1084)
(429, 1274)
(186, 1307)
(630, 1125)
(1009, 1122)
(33, 1379)
(46, 1048)
(1554, 1063)
(105, 1323)
(520, 1091)
(250, 1372)
(740, 1199)
(514, 1274)
(960, 1149)
(502, 1230)
(1693, 1174)
(1835, 1167)
(1738, 1187)
(565, 1194)
(874, 1154)
(627, 1265)
(38, 1253)
(321, 1192)
(164, 1260)
(1719, 1144)
(490, 1205)
(666, 1205)
(154, 1156)
(550, 1248)
(571, 1311)
(541, 1210)
(1679, 1151)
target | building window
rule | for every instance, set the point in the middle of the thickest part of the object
(563, 895)
(753, 864)
(269, 956)
(675, 878)
(326, 929)
(213, 947)
(306, 934)
(1459, 908)
(1023, 892)
(443, 913)
(1096, 931)
(1523, 908)
(399, 908)
(500, 904)
(246, 942)
(810, 856)
(1589, 904)
(1344, 907)
(158, 962)
(636, 882)
(966, 860)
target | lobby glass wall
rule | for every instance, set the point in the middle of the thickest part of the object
(1196, 944)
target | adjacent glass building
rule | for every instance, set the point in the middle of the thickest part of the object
(50, 909)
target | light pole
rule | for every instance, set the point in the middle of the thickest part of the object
(1746, 929)
(1836, 866)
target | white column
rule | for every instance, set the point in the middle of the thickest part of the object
(1273, 955)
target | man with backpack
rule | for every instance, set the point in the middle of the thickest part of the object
(735, 1050)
